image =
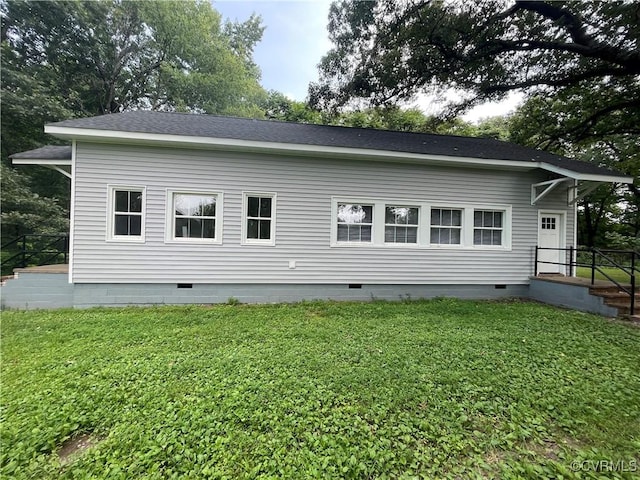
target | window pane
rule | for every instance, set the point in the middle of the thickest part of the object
(389, 216)
(265, 229)
(401, 215)
(389, 234)
(195, 205)
(122, 201)
(456, 218)
(496, 237)
(195, 228)
(182, 227)
(252, 228)
(265, 207)
(208, 207)
(121, 226)
(348, 213)
(455, 236)
(497, 219)
(477, 237)
(435, 216)
(135, 199)
(412, 235)
(477, 218)
(446, 217)
(253, 207)
(354, 233)
(365, 233)
(181, 204)
(208, 229)
(135, 225)
(343, 233)
(413, 216)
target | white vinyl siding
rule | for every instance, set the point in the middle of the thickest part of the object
(306, 188)
(125, 215)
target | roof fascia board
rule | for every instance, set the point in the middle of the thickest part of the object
(98, 135)
(41, 161)
(590, 177)
(111, 136)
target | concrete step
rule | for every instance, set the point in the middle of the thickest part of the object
(623, 307)
(614, 295)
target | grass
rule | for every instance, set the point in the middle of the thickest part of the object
(614, 273)
(427, 389)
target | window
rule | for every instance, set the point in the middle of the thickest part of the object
(487, 227)
(194, 216)
(355, 223)
(401, 224)
(126, 217)
(413, 224)
(446, 226)
(548, 223)
(259, 224)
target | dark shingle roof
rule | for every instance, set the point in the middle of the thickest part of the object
(322, 135)
(49, 152)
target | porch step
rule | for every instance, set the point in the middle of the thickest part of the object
(618, 299)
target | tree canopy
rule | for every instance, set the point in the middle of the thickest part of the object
(386, 51)
(578, 64)
(72, 58)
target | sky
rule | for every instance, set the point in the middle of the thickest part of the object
(296, 38)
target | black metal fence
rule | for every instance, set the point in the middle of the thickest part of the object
(31, 250)
(624, 262)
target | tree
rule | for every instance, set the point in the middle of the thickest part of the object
(388, 52)
(577, 62)
(115, 55)
(26, 212)
(63, 59)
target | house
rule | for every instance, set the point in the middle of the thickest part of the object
(184, 208)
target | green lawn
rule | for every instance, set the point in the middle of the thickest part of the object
(615, 273)
(433, 389)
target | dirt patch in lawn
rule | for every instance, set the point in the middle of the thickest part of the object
(74, 448)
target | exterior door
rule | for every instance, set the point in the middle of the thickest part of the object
(550, 236)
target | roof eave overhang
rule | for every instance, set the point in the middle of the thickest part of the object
(41, 161)
(229, 144)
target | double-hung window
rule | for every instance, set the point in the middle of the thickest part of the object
(259, 223)
(446, 226)
(194, 216)
(126, 214)
(355, 223)
(488, 227)
(401, 224)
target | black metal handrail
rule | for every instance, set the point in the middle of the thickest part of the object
(34, 249)
(632, 269)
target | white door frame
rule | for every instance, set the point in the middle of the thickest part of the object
(562, 228)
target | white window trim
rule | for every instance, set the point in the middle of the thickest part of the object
(424, 224)
(170, 218)
(256, 241)
(463, 215)
(385, 224)
(110, 236)
(334, 222)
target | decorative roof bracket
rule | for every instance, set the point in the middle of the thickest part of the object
(549, 186)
